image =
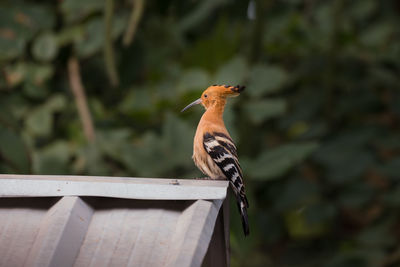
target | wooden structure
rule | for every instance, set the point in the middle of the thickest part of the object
(112, 221)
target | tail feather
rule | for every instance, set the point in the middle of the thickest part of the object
(244, 217)
(242, 206)
(246, 201)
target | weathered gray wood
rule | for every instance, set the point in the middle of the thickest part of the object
(227, 233)
(176, 235)
(61, 234)
(193, 234)
(129, 235)
(99, 231)
(19, 225)
(153, 248)
(218, 253)
(121, 187)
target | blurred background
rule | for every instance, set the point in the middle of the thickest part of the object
(96, 88)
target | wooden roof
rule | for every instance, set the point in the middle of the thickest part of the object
(112, 221)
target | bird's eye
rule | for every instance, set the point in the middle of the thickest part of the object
(205, 95)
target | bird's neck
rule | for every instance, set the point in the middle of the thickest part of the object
(215, 112)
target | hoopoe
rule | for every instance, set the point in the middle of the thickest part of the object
(214, 152)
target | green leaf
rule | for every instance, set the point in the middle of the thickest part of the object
(40, 121)
(362, 9)
(259, 111)
(349, 166)
(56, 103)
(299, 228)
(52, 159)
(19, 23)
(345, 157)
(93, 40)
(272, 164)
(232, 73)
(45, 47)
(324, 27)
(138, 99)
(353, 257)
(378, 236)
(75, 10)
(7, 116)
(214, 49)
(392, 197)
(9, 47)
(13, 151)
(296, 194)
(320, 213)
(177, 140)
(15, 73)
(357, 195)
(91, 160)
(68, 35)
(112, 142)
(35, 91)
(145, 157)
(30, 73)
(229, 119)
(154, 155)
(391, 168)
(200, 13)
(266, 79)
(93, 35)
(377, 34)
(193, 80)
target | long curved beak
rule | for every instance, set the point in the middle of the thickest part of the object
(198, 101)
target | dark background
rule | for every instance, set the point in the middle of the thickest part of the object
(317, 128)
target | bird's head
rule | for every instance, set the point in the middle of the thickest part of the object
(216, 94)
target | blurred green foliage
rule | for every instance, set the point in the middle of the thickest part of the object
(317, 128)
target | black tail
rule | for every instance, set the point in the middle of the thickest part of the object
(243, 205)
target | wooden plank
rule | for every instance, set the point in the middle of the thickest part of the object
(18, 229)
(61, 233)
(130, 233)
(120, 187)
(218, 253)
(102, 238)
(121, 232)
(227, 233)
(152, 243)
(116, 179)
(193, 234)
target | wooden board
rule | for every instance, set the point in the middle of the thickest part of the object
(120, 187)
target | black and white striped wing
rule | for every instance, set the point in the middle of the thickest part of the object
(222, 150)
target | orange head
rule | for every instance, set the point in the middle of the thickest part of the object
(216, 94)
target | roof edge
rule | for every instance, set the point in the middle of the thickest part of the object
(12, 185)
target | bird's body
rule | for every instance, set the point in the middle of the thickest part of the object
(211, 122)
(214, 151)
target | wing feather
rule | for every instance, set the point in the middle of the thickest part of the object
(223, 153)
(222, 150)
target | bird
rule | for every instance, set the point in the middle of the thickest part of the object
(214, 151)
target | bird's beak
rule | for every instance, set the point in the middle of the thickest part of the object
(198, 101)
